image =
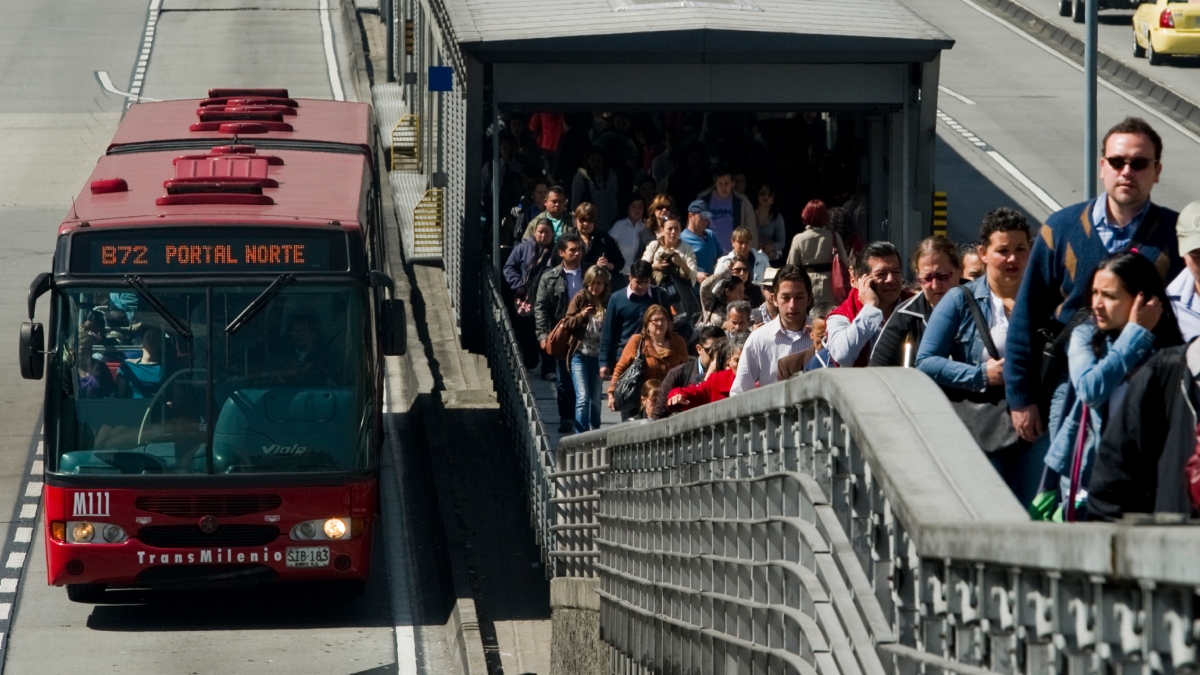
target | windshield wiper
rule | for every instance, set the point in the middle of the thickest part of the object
(145, 293)
(256, 305)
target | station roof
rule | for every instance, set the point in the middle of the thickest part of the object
(694, 31)
(313, 188)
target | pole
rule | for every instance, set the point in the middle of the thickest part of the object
(496, 193)
(1091, 161)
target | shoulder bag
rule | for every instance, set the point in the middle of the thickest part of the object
(627, 392)
(985, 414)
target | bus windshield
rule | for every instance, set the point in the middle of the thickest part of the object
(163, 380)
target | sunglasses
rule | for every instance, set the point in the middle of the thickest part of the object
(1135, 163)
(935, 276)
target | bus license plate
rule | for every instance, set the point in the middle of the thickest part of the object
(308, 556)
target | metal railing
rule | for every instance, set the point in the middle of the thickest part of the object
(519, 408)
(845, 522)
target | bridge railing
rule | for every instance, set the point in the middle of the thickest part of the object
(841, 522)
(519, 407)
(846, 522)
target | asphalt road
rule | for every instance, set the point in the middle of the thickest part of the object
(55, 120)
(1027, 107)
(1182, 75)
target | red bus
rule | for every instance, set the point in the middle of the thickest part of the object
(218, 318)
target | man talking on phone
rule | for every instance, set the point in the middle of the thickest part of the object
(852, 328)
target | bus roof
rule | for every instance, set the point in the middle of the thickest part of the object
(171, 188)
(311, 120)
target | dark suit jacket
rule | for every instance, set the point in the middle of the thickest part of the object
(793, 364)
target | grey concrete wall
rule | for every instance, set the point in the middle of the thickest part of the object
(575, 645)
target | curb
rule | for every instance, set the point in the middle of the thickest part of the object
(462, 627)
(1162, 97)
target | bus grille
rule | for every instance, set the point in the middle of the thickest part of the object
(195, 506)
(190, 536)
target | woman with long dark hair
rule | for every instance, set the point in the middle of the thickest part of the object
(772, 237)
(1131, 318)
(584, 321)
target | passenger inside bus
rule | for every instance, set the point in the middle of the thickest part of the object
(141, 377)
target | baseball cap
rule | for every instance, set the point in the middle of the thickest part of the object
(701, 207)
(768, 280)
(1187, 228)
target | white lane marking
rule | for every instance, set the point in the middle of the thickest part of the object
(135, 88)
(38, 452)
(23, 535)
(35, 468)
(28, 511)
(16, 560)
(8, 585)
(950, 92)
(399, 562)
(1103, 82)
(335, 80)
(5, 610)
(33, 489)
(107, 83)
(1002, 162)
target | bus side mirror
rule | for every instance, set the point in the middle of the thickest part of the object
(33, 350)
(394, 325)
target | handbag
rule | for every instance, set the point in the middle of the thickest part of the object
(839, 276)
(558, 342)
(627, 392)
(985, 414)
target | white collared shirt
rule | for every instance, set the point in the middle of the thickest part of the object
(759, 365)
(1186, 304)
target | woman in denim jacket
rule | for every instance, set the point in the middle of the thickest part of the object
(952, 350)
(1131, 319)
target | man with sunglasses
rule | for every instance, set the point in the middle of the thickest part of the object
(1065, 254)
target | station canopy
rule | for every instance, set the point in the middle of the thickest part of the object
(721, 53)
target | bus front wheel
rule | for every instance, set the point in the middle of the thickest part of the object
(91, 593)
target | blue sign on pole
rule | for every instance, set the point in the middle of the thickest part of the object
(441, 78)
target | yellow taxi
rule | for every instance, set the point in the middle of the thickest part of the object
(1164, 28)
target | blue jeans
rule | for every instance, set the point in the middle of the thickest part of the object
(585, 376)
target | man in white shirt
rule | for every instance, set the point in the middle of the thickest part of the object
(1184, 291)
(786, 334)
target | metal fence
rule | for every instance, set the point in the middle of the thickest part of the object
(845, 522)
(521, 414)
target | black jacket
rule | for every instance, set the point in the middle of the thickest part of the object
(601, 244)
(906, 324)
(550, 305)
(1139, 467)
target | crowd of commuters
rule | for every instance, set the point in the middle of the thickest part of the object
(1062, 347)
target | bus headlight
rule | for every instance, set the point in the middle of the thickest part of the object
(335, 528)
(113, 534)
(82, 533)
(327, 528)
(305, 531)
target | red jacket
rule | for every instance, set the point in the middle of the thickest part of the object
(549, 129)
(714, 388)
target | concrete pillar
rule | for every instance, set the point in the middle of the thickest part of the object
(575, 645)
